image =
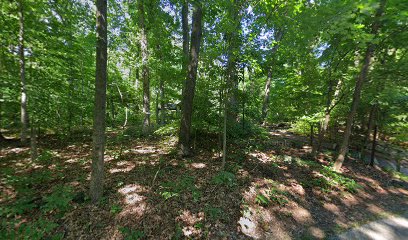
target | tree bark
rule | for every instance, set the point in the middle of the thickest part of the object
(267, 90)
(33, 143)
(97, 174)
(371, 120)
(24, 99)
(162, 111)
(358, 87)
(331, 103)
(233, 41)
(224, 135)
(189, 85)
(185, 27)
(374, 146)
(265, 105)
(145, 67)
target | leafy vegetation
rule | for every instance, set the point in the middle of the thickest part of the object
(179, 119)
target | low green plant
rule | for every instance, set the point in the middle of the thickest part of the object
(59, 200)
(338, 179)
(273, 195)
(262, 200)
(225, 178)
(213, 213)
(115, 209)
(182, 185)
(33, 230)
(168, 129)
(278, 196)
(45, 157)
(131, 234)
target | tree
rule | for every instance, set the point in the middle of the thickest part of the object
(278, 37)
(232, 37)
(358, 87)
(97, 175)
(185, 27)
(189, 85)
(24, 113)
(145, 66)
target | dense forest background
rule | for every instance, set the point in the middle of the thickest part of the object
(298, 53)
(222, 71)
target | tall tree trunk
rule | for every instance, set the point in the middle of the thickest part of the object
(162, 111)
(24, 113)
(331, 103)
(243, 98)
(265, 105)
(185, 27)
(233, 41)
(189, 85)
(374, 145)
(267, 90)
(145, 67)
(2, 138)
(97, 175)
(33, 142)
(224, 132)
(370, 125)
(358, 87)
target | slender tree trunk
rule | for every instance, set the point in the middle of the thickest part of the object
(145, 67)
(331, 102)
(157, 107)
(224, 136)
(185, 27)
(24, 99)
(267, 90)
(97, 175)
(371, 120)
(2, 138)
(162, 111)
(189, 85)
(243, 98)
(357, 90)
(33, 141)
(265, 105)
(233, 41)
(374, 145)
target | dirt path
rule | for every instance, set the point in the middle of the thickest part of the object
(392, 228)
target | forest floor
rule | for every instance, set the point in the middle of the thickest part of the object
(270, 189)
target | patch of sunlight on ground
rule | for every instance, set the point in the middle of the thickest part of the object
(262, 157)
(197, 165)
(135, 203)
(189, 219)
(123, 166)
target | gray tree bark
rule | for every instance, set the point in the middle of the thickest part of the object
(24, 113)
(331, 103)
(265, 105)
(145, 67)
(234, 42)
(97, 174)
(189, 85)
(358, 87)
(186, 38)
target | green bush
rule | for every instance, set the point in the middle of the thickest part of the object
(337, 179)
(59, 200)
(170, 129)
(39, 229)
(130, 234)
(175, 188)
(46, 157)
(225, 178)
